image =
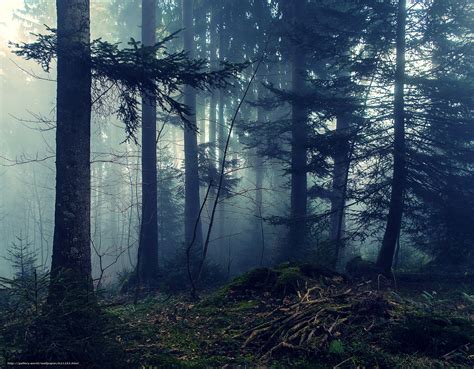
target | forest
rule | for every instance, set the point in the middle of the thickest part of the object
(236, 184)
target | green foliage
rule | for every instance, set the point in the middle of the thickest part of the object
(123, 74)
(23, 294)
(69, 330)
(336, 347)
(66, 333)
(209, 170)
(22, 259)
(170, 203)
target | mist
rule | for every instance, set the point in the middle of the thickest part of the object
(263, 149)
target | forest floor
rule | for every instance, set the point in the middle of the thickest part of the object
(304, 317)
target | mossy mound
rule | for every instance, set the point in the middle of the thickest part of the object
(361, 268)
(300, 316)
(284, 279)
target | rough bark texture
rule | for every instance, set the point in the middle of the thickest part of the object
(71, 260)
(192, 202)
(392, 230)
(148, 247)
(298, 148)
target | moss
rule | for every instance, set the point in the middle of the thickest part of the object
(289, 280)
(284, 279)
(245, 305)
(179, 334)
(215, 300)
(364, 355)
(257, 279)
(336, 347)
(432, 335)
(360, 268)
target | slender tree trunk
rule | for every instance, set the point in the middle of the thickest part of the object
(221, 131)
(392, 230)
(201, 117)
(213, 99)
(298, 148)
(148, 245)
(258, 167)
(339, 185)
(71, 260)
(192, 201)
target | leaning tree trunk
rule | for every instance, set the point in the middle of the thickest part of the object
(298, 148)
(148, 246)
(71, 261)
(192, 202)
(392, 230)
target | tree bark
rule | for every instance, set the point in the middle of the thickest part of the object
(298, 147)
(258, 167)
(148, 244)
(192, 201)
(71, 260)
(392, 230)
(213, 99)
(339, 185)
(221, 131)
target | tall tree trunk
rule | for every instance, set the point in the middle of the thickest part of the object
(298, 147)
(201, 116)
(339, 185)
(213, 99)
(192, 201)
(71, 260)
(258, 168)
(148, 244)
(221, 131)
(394, 220)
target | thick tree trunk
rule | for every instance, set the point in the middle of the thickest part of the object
(298, 148)
(71, 260)
(148, 246)
(192, 201)
(392, 230)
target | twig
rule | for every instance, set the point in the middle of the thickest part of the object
(221, 178)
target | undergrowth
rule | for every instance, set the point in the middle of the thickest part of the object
(290, 316)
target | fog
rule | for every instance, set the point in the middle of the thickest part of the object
(252, 218)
